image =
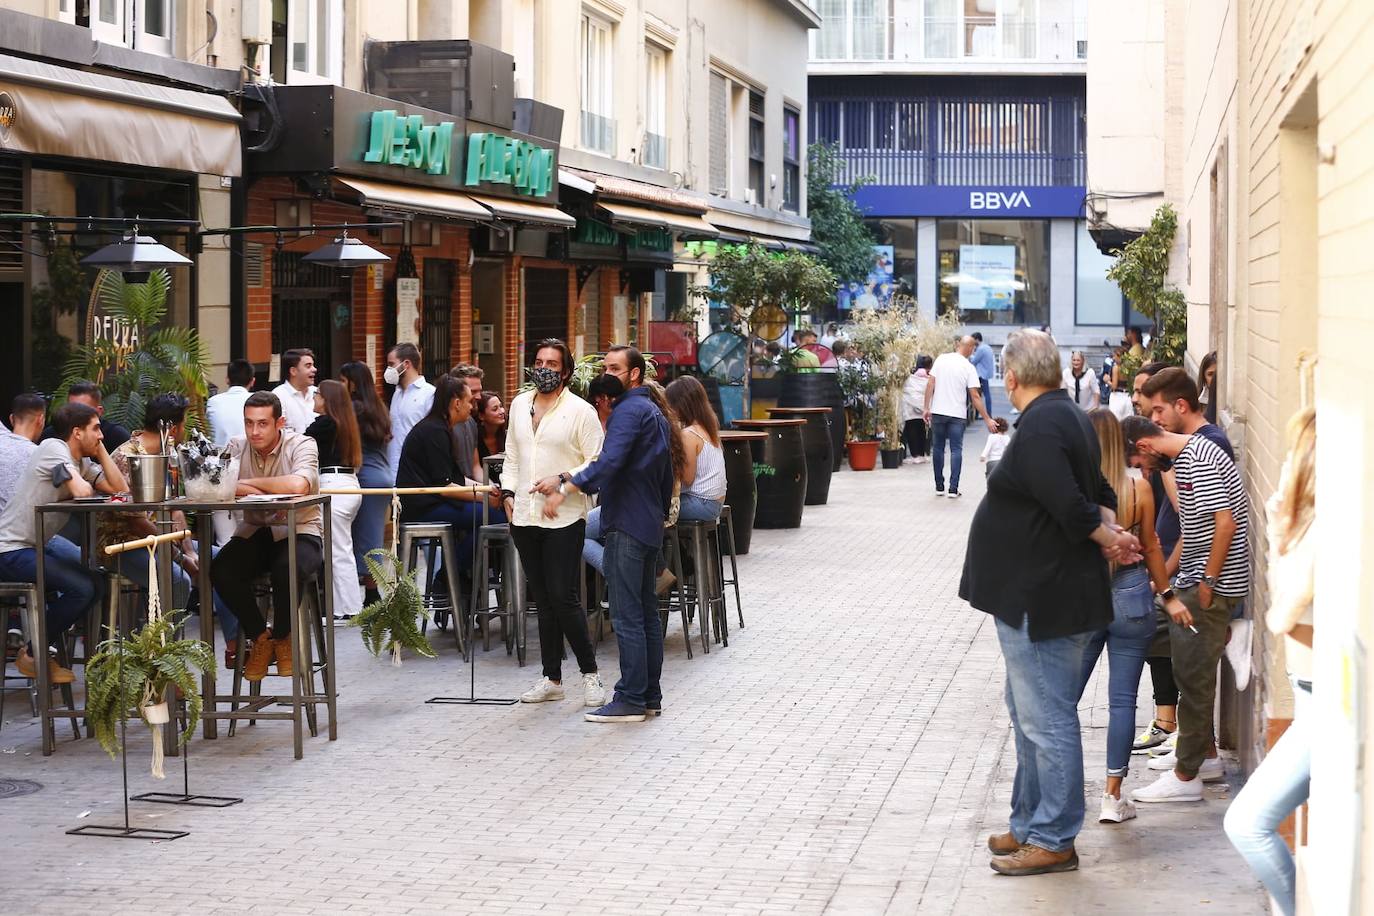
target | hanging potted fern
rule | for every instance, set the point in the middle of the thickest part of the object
(393, 621)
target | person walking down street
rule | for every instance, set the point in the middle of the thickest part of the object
(335, 432)
(410, 402)
(1080, 382)
(552, 429)
(297, 390)
(996, 446)
(1213, 576)
(1132, 630)
(985, 362)
(915, 433)
(1282, 781)
(1035, 561)
(374, 433)
(953, 381)
(634, 476)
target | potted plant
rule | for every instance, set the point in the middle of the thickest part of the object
(860, 389)
(392, 621)
(141, 670)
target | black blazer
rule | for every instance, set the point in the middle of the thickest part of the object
(426, 461)
(1030, 553)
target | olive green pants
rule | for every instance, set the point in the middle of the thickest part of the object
(1195, 657)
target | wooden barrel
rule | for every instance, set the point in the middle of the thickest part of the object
(779, 472)
(818, 389)
(818, 447)
(740, 492)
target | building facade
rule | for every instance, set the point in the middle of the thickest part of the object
(965, 124)
(1263, 112)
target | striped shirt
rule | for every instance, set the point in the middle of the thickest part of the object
(1209, 482)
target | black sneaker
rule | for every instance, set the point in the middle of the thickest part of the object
(616, 711)
(653, 709)
(939, 491)
(953, 494)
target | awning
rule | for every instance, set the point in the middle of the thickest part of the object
(384, 195)
(63, 112)
(519, 211)
(690, 228)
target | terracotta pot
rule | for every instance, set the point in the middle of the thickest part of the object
(862, 455)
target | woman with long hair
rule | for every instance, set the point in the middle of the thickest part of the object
(1132, 630)
(1281, 783)
(703, 475)
(374, 432)
(335, 431)
(491, 428)
(1207, 385)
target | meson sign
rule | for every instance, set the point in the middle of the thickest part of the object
(526, 167)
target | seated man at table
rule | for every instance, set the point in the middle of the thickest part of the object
(73, 465)
(273, 460)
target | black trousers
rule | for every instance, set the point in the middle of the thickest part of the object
(241, 561)
(552, 558)
(916, 435)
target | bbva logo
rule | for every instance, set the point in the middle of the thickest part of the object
(997, 200)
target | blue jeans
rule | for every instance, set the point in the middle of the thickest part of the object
(695, 508)
(72, 587)
(370, 521)
(1274, 790)
(947, 429)
(634, 613)
(1127, 638)
(134, 567)
(986, 385)
(594, 547)
(1042, 698)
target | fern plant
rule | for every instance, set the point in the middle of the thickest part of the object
(138, 671)
(393, 621)
(165, 359)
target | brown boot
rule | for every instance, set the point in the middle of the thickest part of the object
(283, 647)
(1033, 860)
(259, 657)
(1003, 844)
(56, 673)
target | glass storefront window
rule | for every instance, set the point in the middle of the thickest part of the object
(897, 268)
(995, 271)
(1098, 301)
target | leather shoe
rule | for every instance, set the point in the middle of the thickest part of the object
(56, 673)
(282, 648)
(1003, 844)
(1034, 860)
(259, 657)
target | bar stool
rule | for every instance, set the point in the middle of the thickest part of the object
(727, 526)
(435, 537)
(673, 554)
(509, 587)
(702, 539)
(309, 618)
(30, 608)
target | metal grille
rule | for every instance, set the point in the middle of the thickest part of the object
(546, 307)
(437, 316)
(305, 298)
(252, 264)
(11, 201)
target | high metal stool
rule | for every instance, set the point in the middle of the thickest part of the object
(309, 616)
(510, 589)
(673, 554)
(705, 588)
(435, 537)
(30, 608)
(727, 526)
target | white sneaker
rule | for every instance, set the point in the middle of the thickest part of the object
(1166, 761)
(1238, 651)
(594, 692)
(1211, 770)
(1167, 747)
(1169, 788)
(1115, 810)
(542, 692)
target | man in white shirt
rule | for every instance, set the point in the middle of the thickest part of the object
(297, 392)
(20, 441)
(1081, 382)
(953, 381)
(411, 400)
(224, 411)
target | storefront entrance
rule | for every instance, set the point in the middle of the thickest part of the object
(489, 319)
(546, 307)
(311, 308)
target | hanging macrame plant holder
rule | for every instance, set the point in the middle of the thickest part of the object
(153, 707)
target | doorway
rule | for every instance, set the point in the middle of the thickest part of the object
(546, 307)
(312, 307)
(489, 320)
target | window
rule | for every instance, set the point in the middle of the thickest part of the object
(66, 11)
(314, 42)
(791, 159)
(869, 37)
(719, 128)
(154, 26)
(852, 30)
(598, 120)
(832, 37)
(1097, 300)
(757, 193)
(942, 28)
(655, 107)
(995, 271)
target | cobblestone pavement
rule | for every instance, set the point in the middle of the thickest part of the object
(847, 753)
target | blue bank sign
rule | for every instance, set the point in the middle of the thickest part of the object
(988, 202)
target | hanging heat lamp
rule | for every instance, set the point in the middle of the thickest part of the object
(346, 253)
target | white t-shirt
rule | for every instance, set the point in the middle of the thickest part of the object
(997, 444)
(954, 376)
(1086, 389)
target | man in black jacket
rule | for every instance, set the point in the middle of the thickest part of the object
(1035, 561)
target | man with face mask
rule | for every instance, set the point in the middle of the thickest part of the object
(411, 400)
(551, 429)
(634, 475)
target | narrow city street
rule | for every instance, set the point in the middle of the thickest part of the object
(848, 752)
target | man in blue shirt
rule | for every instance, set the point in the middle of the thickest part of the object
(634, 476)
(986, 364)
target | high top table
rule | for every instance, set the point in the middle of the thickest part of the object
(779, 472)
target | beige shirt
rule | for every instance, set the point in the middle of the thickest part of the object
(296, 455)
(568, 438)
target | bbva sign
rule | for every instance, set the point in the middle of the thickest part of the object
(997, 200)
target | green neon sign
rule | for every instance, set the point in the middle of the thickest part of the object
(525, 166)
(408, 142)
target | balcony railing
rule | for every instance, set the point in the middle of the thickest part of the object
(598, 133)
(1011, 38)
(655, 151)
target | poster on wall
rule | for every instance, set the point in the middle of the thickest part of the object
(875, 291)
(408, 308)
(987, 277)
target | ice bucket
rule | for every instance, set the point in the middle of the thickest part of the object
(147, 478)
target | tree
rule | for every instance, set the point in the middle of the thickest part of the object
(748, 276)
(837, 225)
(1141, 271)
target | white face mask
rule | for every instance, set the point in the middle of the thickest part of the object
(392, 375)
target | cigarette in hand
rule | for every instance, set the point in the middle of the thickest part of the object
(1193, 628)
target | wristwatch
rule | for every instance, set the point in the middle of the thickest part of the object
(1167, 595)
(1209, 581)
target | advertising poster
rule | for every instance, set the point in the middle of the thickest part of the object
(875, 290)
(987, 277)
